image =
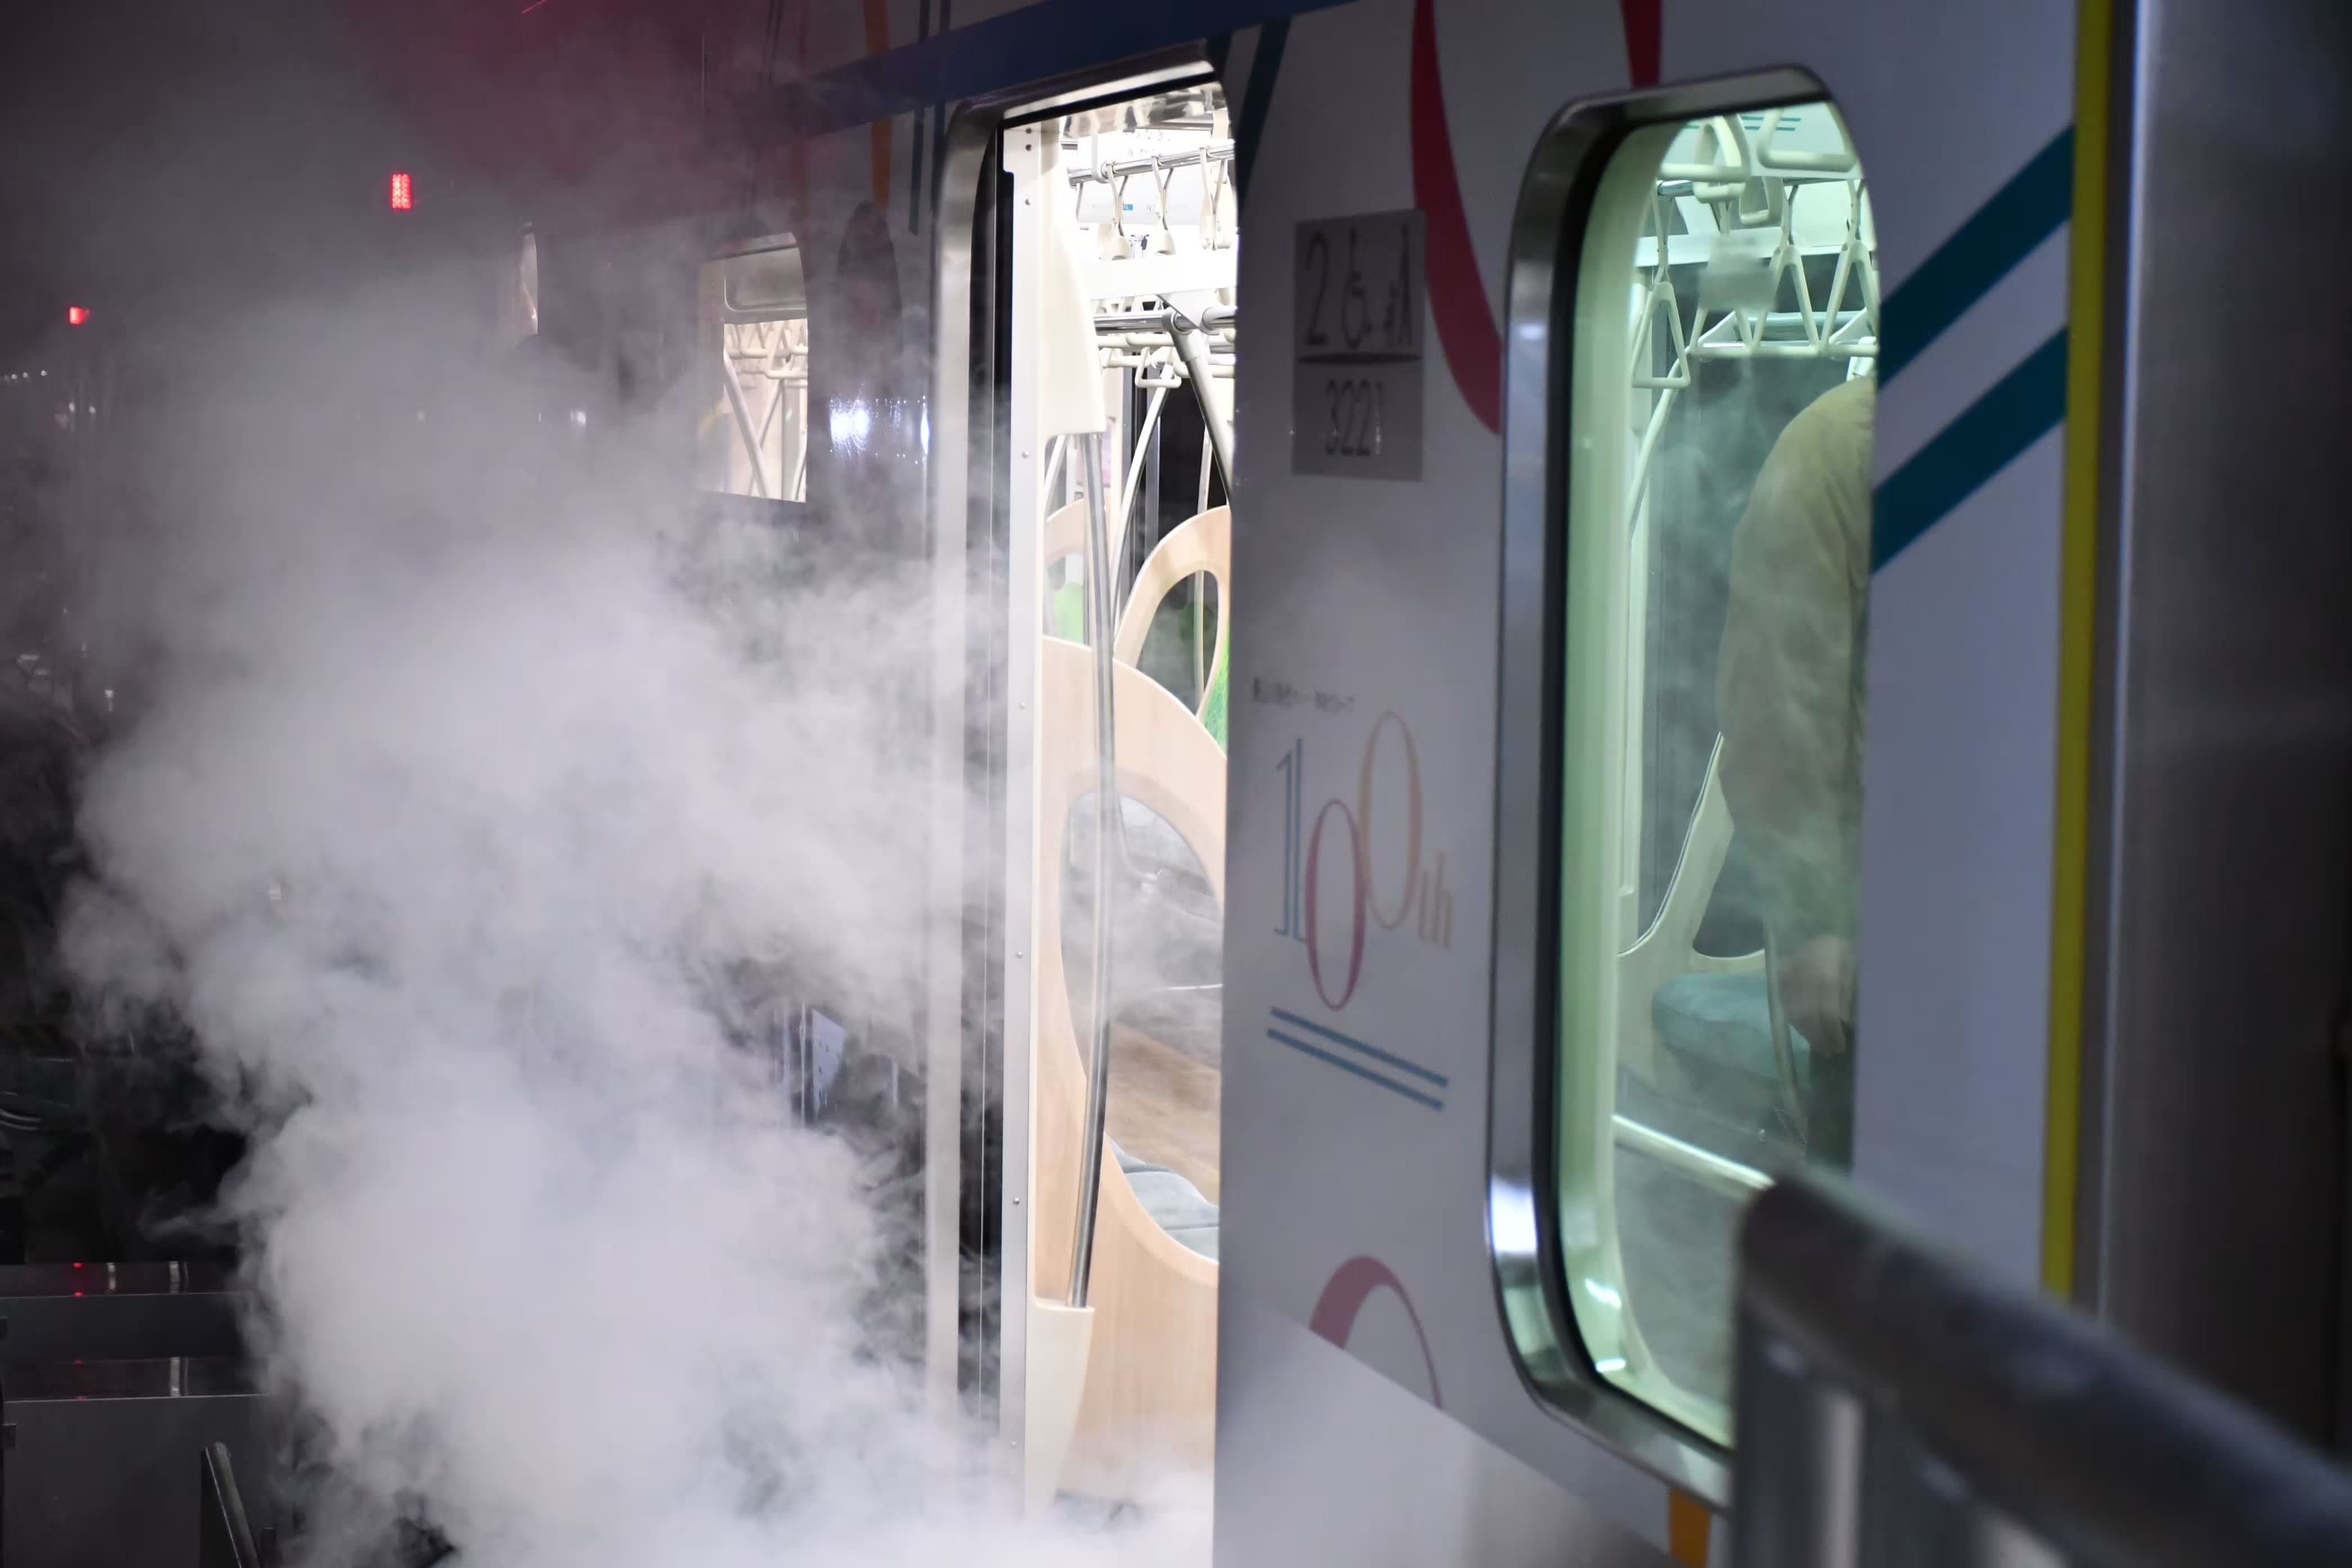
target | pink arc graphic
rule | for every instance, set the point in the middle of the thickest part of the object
(1457, 295)
(1343, 1300)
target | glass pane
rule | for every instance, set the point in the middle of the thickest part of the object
(1167, 1013)
(1139, 198)
(1718, 551)
(751, 435)
(1157, 469)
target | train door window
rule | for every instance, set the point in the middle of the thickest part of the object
(1713, 472)
(1128, 229)
(752, 431)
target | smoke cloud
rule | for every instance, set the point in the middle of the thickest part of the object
(472, 797)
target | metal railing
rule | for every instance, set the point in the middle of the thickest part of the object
(1108, 173)
(1898, 1407)
(224, 1537)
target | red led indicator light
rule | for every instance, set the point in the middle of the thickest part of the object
(403, 194)
(76, 315)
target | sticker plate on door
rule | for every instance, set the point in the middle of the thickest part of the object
(1356, 347)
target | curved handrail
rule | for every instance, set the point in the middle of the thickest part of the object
(224, 1534)
(1851, 1325)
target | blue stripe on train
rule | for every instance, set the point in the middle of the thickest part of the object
(1998, 235)
(2017, 411)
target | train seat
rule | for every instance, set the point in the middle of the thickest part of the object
(1175, 1204)
(1667, 952)
(1725, 1020)
(1716, 1028)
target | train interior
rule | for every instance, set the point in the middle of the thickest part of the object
(754, 438)
(1128, 267)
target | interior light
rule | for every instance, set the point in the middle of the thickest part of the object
(403, 193)
(76, 315)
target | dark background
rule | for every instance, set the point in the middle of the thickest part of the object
(162, 158)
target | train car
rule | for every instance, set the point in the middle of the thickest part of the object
(1668, 590)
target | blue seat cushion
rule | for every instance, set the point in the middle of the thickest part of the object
(1726, 1021)
(1175, 1204)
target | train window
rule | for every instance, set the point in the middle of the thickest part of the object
(1715, 480)
(752, 435)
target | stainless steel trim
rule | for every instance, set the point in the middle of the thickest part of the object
(2219, 888)
(1554, 199)
(1192, 346)
(967, 160)
(943, 1041)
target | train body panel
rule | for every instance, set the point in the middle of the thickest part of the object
(1370, 1472)
(1362, 599)
(1365, 649)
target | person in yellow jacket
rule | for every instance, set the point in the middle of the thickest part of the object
(1789, 692)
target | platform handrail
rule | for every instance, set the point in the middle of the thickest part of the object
(225, 1536)
(1890, 1395)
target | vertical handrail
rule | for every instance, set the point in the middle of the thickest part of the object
(1102, 610)
(1193, 347)
(1127, 492)
(1200, 593)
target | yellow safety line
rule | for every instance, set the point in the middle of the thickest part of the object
(2085, 304)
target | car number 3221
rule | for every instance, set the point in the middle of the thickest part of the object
(1356, 347)
(1353, 407)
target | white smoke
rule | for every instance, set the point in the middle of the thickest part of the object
(451, 808)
